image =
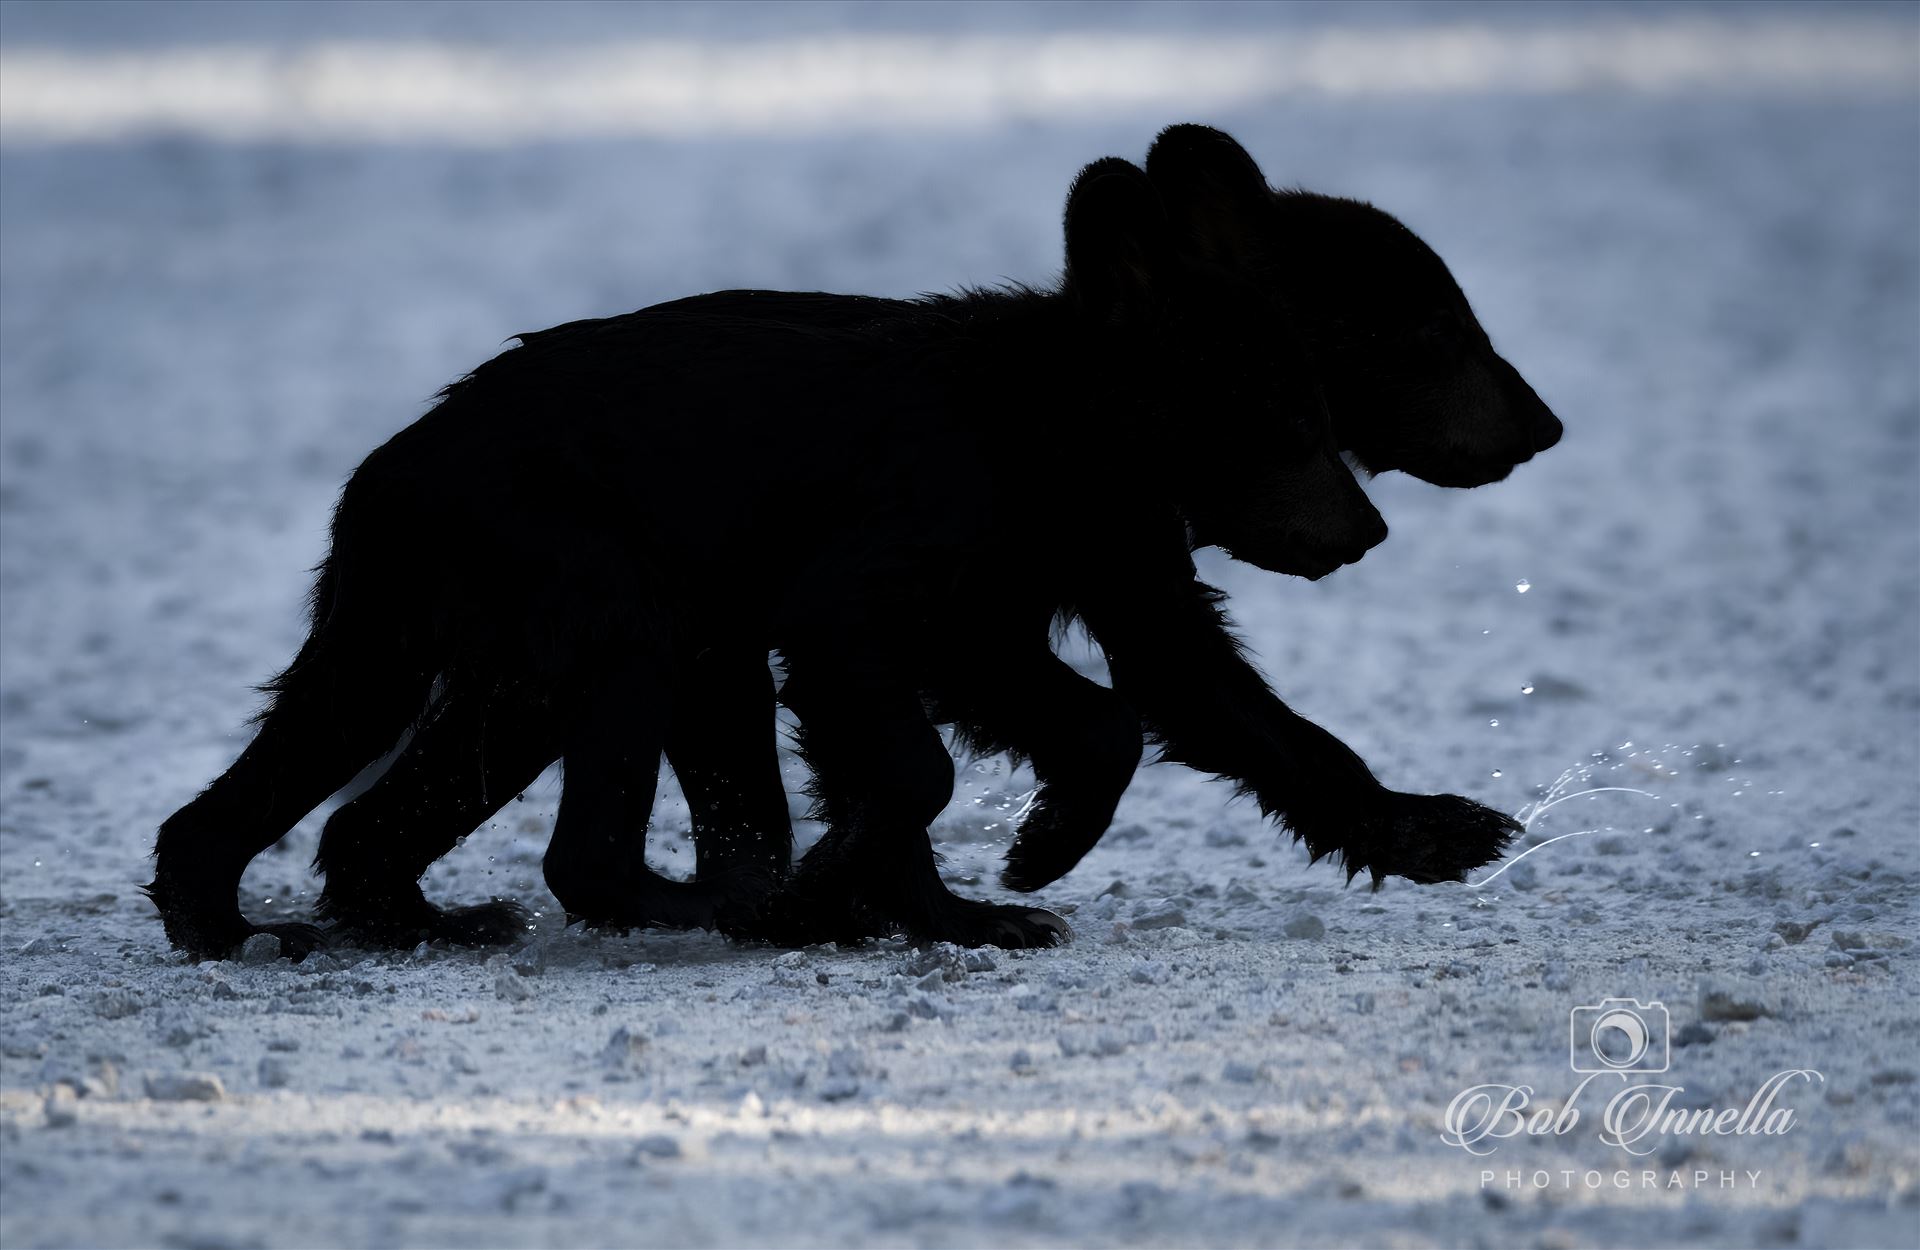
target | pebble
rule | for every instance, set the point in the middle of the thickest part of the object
(260, 948)
(656, 1146)
(1694, 1034)
(1728, 1002)
(929, 1007)
(117, 1004)
(1160, 915)
(1305, 926)
(1794, 932)
(529, 960)
(1148, 972)
(511, 987)
(952, 964)
(184, 1087)
(792, 977)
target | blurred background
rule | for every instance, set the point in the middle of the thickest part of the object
(242, 244)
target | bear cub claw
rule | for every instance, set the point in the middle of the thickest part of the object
(1425, 838)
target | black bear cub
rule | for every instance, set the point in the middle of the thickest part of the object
(1413, 384)
(573, 554)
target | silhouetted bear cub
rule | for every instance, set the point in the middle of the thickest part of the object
(1412, 383)
(578, 550)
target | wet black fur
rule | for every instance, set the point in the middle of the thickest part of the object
(1412, 383)
(586, 549)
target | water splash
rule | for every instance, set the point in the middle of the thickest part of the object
(1557, 793)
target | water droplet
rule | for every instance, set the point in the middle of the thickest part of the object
(1813, 844)
(1485, 632)
(1523, 585)
(1496, 772)
(1493, 724)
(1526, 690)
(1753, 855)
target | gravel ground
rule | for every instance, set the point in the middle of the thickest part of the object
(1704, 600)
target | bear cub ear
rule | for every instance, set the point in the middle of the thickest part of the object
(1118, 241)
(1216, 198)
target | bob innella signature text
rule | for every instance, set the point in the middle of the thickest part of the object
(1634, 1119)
